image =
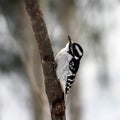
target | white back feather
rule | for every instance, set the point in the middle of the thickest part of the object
(62, 59)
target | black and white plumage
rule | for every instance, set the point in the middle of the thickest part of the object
(68, 61)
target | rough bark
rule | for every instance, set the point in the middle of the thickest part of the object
(52, 85)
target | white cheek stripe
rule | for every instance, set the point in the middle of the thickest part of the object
(76, 58)
(80, 53)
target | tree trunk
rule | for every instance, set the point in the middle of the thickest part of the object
(53, 89)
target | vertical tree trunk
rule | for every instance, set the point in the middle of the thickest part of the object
(53, 88)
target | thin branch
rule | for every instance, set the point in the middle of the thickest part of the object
(52, 85)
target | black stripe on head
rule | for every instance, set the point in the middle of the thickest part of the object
(77, 50)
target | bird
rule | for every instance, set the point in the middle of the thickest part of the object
(68, 62)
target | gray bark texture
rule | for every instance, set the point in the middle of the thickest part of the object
(53, 89)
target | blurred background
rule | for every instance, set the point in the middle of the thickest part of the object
(95, 24)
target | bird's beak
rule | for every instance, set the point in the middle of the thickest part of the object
(70, 45)
(70, 42)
